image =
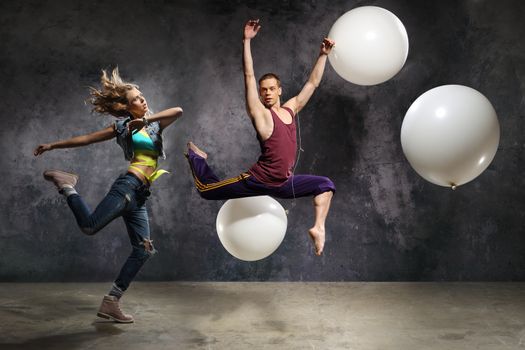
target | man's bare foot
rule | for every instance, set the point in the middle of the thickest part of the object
(197, 150)
(318, 236)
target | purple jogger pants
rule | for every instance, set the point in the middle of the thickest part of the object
(245, 185)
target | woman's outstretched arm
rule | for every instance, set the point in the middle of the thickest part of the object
(78, 141)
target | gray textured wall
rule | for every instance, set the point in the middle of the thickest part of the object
(386, 222)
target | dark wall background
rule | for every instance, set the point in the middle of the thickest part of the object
(386, 222)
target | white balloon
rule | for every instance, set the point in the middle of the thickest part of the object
(450, 134)
(371, 45)
(251, 228)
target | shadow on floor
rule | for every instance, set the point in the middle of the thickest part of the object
(101, 330)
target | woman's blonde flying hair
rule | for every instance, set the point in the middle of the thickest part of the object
(111, 98)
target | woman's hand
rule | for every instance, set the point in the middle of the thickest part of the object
(135, 125)
(42, 148)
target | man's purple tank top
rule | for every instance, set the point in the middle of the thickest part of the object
(275, 165)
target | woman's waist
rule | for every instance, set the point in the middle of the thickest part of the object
(145, 167)
(145, 160)
(133, 179)
(140, 155)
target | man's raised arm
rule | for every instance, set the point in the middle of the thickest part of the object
(254, 107)
(298, 102)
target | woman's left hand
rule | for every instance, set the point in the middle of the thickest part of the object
(135, 125)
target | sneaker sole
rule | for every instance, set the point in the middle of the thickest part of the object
(109, 317)
(50, 178)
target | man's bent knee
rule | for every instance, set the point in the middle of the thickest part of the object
(326, 185)
(206, 195)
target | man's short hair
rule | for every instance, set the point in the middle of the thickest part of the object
(270, 76)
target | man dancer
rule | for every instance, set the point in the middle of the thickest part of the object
(276, 131)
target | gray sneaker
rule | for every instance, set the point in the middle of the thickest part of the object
(110, 309)
(61, 179)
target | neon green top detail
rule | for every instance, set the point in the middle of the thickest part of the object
(145, 155)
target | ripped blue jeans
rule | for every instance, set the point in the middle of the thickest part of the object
(126, 198)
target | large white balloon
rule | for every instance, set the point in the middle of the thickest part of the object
(251, 228)
(371, 45)
(450, 134)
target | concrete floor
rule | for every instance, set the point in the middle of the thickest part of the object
(174, 315)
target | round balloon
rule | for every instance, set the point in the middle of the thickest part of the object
(251, 228)
(371, 45)
(450, 134)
